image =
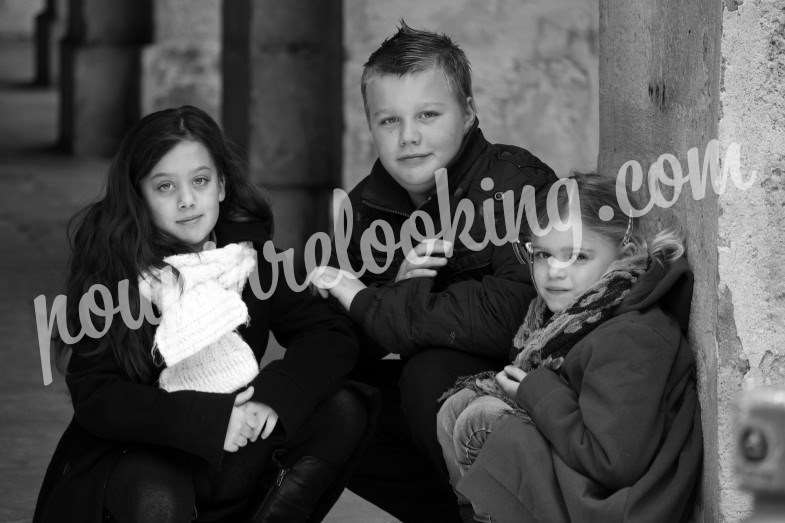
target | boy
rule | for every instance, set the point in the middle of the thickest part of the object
(448, 314)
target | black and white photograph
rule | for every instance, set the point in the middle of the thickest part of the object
(400, 261)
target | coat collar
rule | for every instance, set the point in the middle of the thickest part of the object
(381, 190)
(233, 232)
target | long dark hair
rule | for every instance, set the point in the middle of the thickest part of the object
(114, 238)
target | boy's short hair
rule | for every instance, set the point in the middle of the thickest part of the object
(412, 51)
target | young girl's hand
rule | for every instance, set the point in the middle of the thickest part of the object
(509, 379)
(241, 427)
(266, 418)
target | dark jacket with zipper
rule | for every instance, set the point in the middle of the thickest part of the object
(476, 301)
(616, 433)
(113, 413)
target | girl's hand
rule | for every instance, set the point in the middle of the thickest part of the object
(509, 379)
(266, 418)
(241, 428)
(341, 284)
(419, 262)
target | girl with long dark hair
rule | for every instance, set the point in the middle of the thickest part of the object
(176, 422)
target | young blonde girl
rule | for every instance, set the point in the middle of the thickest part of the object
(597, 418)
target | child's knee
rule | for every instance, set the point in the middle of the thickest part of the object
(451, 409)
(474, 424)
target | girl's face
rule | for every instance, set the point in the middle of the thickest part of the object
(561, 286)
(183, 191)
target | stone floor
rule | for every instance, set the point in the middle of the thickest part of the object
(39, 190)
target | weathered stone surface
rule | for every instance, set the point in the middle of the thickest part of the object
(752, 240)
(534, 72)
(183, 65)
(178, 73)
(190, 20)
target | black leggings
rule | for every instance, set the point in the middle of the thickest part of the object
(160, 485)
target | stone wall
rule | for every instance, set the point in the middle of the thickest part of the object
(751, 241)
(534, 72)
(183, 65)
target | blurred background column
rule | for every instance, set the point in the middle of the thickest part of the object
(282, 102)
(99, 77)
(50, 26)
(183, 64)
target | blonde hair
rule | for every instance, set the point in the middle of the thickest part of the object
(595, 192)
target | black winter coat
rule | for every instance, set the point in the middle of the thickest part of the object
(476, 302)
(112, 413)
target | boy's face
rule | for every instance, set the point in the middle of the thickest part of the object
(417, 125)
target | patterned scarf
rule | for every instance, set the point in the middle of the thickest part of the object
(545, 340)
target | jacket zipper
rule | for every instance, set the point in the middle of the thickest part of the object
(281, 476)
(385, 209)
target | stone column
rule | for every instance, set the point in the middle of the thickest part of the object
(751, 240)
(100, 71)
(183, 65)
(674, 76)
(282, 101)
(50, 27)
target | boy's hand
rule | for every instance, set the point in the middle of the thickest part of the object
(342, 285)
(419, 263)
(241, 427)
(509, 379)
(266, 418)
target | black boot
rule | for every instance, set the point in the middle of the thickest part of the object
(296, 492)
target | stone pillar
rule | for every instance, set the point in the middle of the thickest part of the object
(100, 72)
(282, 101)
(183, 65)
(16, 18)
(659, 93)
(50, 27)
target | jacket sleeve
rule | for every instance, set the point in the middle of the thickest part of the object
(608, 429)
(478, 316)
(475, 316)
(109, 405)
(321, 349)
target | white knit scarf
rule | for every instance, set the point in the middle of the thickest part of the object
(200, 311)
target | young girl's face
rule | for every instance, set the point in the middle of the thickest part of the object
(561, 286)
(183, 192)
